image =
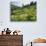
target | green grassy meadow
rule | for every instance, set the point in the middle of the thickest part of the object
(24, 13)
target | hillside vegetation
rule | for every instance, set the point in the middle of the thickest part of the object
(24, 13)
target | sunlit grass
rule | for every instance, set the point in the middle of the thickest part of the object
(24, 14)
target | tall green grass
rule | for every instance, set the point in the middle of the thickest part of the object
(24, 13)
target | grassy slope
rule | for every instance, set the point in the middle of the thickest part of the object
(24, 14)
